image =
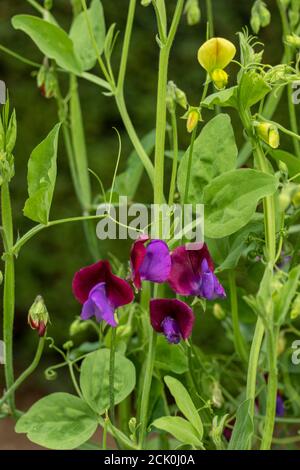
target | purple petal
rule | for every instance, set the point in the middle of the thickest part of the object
(174, 308)
(279, 406)
(156, 264)
(208, 286)
(171, 330)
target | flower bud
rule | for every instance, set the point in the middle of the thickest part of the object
(38, 316)
(220, 78)
(146, 3)
(295, 311)
(268, 132)
(192, 11)
(77, 326)
(68, 345)
(218, 312)
(293, 40)
(281, 344)
(216, 53)
(283, 168)
(132, 425)
(217, 396)
(181, 98)
(193, 116)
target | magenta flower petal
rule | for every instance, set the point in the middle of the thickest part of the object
(137, 255)
(162, 310)
(192, 273)
(118, 291)
(98, 305)
(151, 262)
(279, 406)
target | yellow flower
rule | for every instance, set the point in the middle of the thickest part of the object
(216, 53)
(220, 78)
(193, 117)
(269, 133)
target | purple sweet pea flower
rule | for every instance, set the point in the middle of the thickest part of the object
(192, 273)
(173, 318)
(279, 406)
(100, 292)
(151, 262)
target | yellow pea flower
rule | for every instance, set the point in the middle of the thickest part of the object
(268, 132)
(214, 55)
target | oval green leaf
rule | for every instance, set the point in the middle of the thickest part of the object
(51, 40)
(94, 379)
(231, 199)
(59, 421)
(180, 428)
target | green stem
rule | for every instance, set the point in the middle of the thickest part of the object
(288, 53)
(143, 418)
(112, 375)
(190, 160)
(238, 338)
(210, 18)
(73, 378)
(9, 290)
(253, 363)
(26, 373)
(175, 157)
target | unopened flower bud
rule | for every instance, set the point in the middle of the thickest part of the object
(216, 53)
(295, 311)
(281, 344)
(132, 425)
(219, 312)
(77, 326)
(283, 167)
(220, 78)
(180, 97)
(68, 345)
(268, 132)
(38, 316)
(193, 117)
(192, 11)
(293, 40)
(217, 396)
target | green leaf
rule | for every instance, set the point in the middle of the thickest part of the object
(215, 152)
(80, 34)
(41, 178)
(51, 40)
(94, 379)
(243, 428)
(224, 98)
(127, 182)
(292, 162)
(180, 428)
(252, 89)
(231, 200)
(185, 403)
(58, 421)
(171, 359)
(286, 295)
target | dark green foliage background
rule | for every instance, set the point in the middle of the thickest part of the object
(47, 263)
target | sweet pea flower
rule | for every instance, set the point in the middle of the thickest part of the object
(192, 273)
(149, 261)
(173, 318)
(279, 405)
(100, 292)
(214, 55)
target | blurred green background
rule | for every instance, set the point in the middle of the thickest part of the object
(47, 264)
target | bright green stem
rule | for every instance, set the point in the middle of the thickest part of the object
(289, 57)
(189, 168)
(239, 341)
(175, 158)
(112, 375)
(143, 418)
(9, 290)
(272, 340)
(7, 396)
(253, 362)
(210, 18)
